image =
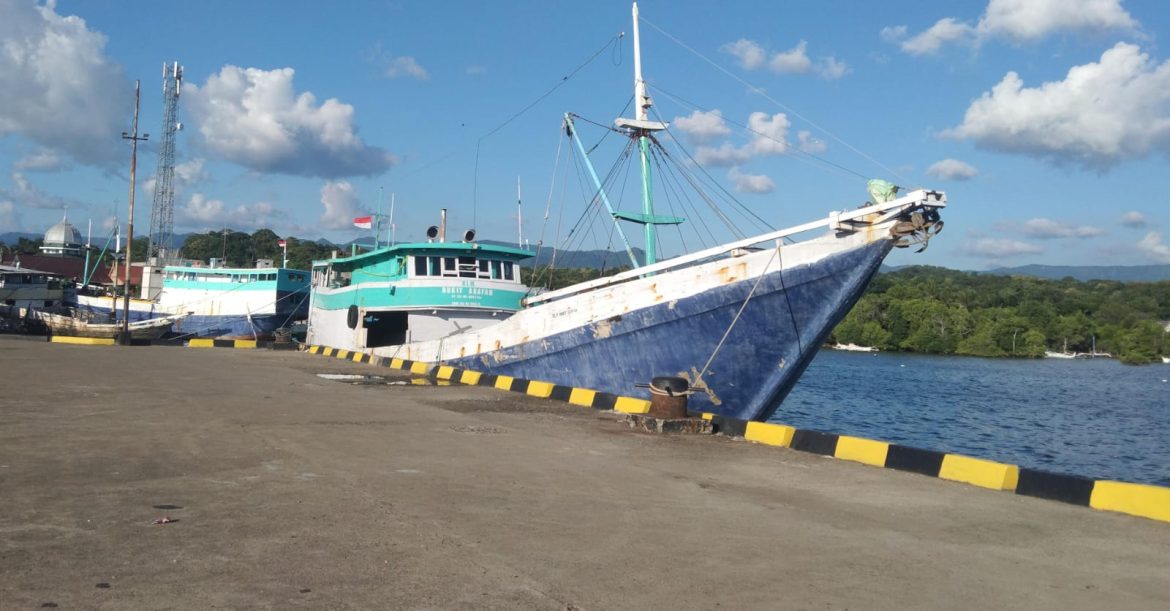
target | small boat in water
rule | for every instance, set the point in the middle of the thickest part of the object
(79, 324)
(853, 348)
(739, 321)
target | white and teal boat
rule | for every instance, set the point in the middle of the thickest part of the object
(218, 301)
(739, 321)
(413, 292)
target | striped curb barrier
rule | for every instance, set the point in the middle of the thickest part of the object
(583, 397)
(1144, 500)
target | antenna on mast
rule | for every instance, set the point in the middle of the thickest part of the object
(519, 218)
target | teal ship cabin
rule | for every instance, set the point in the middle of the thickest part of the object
(413, 292)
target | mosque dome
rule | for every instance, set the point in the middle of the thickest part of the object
(62, 239)
(62, 234)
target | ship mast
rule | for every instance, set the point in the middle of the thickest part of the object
(641, 128)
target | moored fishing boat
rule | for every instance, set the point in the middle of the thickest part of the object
(78, 324)
(739, 321)
(218, 301)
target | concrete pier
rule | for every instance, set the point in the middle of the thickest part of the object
(288, 490)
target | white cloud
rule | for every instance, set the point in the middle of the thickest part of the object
(808, 144)
(943, 31)
(342, 205)
(202, 212)
(405, 66)
(1133, 218)
(750, 183)
(41, 161)
(1153, 247)
(951, 169)
(57, 86)
(1034, 19)
(831, 69)
(998, 248)
(722, 156)
(750, 55)
(792, 61)
(893, 33)
(254, 118)
(702, 126)
(770, 133)
(1101, 114)
(188, 174)
(9, 216)
(1017, 21)
(24, 193)
(1044, 229)
(475, 70)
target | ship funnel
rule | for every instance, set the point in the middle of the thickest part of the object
(443, 225)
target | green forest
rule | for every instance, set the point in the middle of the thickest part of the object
(940, 311)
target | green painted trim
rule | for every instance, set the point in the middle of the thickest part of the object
(408, 297)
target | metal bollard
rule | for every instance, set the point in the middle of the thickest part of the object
(668, 397)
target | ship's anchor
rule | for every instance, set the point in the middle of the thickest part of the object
(918, 229)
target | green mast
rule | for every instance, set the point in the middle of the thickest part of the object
(641, 127)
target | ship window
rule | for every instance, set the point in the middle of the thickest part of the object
(435, 269)
(508, 270)
(467, 267)
(496, 273)
(420, 266)
(484, 271)
(449, 266)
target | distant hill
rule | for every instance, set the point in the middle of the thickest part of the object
(1119, 273)
(13, 236)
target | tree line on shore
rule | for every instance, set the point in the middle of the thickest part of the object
(940, 311)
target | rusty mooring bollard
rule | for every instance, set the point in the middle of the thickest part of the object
(668, 397)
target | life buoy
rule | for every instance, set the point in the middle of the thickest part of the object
(351, 317)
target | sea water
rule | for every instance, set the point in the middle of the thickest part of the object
(1091, 417)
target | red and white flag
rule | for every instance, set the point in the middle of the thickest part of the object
(365, 222)
(282, 243)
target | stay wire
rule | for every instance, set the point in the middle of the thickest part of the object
(564, 79)
(759, 91)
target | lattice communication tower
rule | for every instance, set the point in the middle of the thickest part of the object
(162, 215)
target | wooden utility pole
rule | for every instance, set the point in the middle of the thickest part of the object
(124, 338)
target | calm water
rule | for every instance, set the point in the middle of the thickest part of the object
(1096, 418)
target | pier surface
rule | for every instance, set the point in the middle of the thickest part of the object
(287, 490)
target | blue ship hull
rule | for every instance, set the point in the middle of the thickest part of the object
(776, 336)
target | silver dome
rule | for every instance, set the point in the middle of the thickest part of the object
(62, 234)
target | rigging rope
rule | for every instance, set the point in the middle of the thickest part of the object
(783, 289)
(760, 91)
(564, 79)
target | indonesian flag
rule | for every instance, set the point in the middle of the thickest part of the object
(282, 243)
(365, 222)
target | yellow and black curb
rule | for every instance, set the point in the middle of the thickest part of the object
(247, 344)
(1135, 499)
(191, 343)
(534, 388)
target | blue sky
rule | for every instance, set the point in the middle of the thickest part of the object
(1046, 121)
